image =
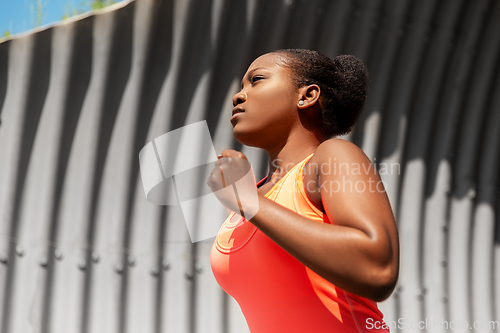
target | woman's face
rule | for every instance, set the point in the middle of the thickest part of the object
(266, 106)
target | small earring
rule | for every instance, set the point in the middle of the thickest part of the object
(301, 103)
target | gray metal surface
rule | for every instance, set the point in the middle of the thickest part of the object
(81, 250)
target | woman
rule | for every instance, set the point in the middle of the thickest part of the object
(322, 248)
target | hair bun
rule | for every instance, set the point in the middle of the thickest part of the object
(352, 82)
(351, 68)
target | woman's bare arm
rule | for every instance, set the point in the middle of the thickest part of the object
(359, 251)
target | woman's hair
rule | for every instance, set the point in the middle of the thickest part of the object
(343, 82)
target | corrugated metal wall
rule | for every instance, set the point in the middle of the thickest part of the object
(81, 250)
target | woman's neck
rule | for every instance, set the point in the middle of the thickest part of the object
(287, 155)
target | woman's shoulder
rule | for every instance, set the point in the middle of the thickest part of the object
(338, 151)
(331, 158)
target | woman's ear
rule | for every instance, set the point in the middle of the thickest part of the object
(309, 95)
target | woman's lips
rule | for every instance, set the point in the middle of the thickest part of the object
(236, 112)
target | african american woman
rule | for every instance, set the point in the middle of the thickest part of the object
(322, 247)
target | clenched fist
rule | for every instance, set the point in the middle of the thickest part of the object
(233, 183)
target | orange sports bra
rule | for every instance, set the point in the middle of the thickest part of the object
(275, 291)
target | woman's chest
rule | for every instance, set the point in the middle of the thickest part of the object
(244, 257)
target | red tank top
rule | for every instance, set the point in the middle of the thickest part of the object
(275, 291)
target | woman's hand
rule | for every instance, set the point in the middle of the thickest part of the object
(233, 183)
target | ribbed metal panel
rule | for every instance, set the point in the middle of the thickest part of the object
(81, 250)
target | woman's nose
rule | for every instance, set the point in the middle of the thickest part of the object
(239, 98)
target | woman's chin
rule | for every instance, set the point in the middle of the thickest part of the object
(244, 137)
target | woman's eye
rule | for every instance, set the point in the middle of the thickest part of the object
(256, 78)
